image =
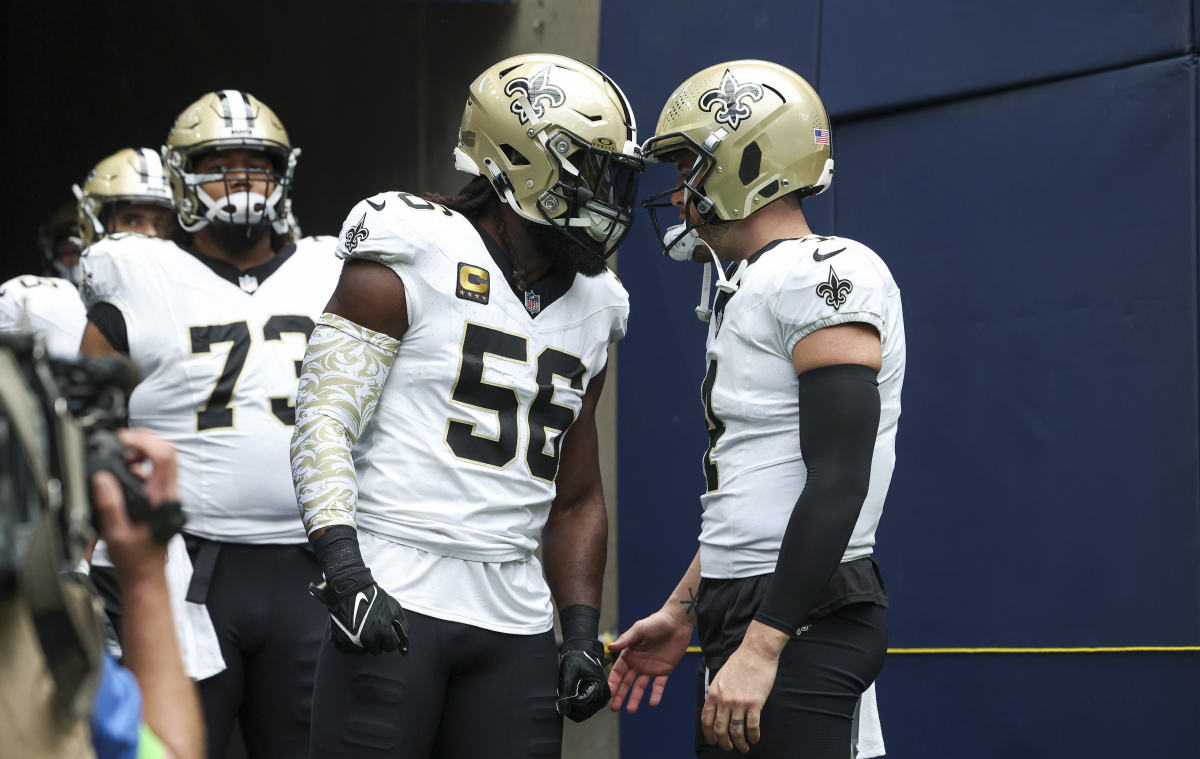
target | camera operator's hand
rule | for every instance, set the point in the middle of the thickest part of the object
(134, 552)
(152, 460)
(171, 708)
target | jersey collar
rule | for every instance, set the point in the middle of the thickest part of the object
(246, 280)
(538, 295)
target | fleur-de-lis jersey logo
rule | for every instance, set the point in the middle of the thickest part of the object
(835, 290)
(357, 234)
(538, 91)
(727, 98)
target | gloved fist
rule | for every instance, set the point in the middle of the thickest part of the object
(363, 619)
(582, 681)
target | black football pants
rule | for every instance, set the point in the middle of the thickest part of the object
(822, 672)
(461, 693)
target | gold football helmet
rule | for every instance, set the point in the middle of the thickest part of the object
(229, 120)
(558, 140)
(127, 176)
(758, 132)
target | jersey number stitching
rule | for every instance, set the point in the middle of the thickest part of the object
(218, 410)
(543, 414)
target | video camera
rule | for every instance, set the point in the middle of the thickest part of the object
(58, 421)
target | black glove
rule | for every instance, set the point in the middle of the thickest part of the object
(582, 682)
(363, 619)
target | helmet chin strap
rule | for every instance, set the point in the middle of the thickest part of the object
(682, 243)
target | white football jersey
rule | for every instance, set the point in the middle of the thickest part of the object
(460, 457)
(47, 306)
(754, 467)
(219, 355)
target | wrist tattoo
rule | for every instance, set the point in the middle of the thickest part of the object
(690, 603)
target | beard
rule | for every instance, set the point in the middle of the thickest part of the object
(565, 251)
(237, 239)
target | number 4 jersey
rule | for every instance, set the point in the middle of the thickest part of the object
(754, 466)
(218, 352)
(460, 456)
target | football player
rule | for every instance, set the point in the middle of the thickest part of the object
(217, 327)
(60, 244)
(125, 193)
(446, 422)
(805, 355)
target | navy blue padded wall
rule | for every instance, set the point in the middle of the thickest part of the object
(877, 55)
(1044, 240)
(1040, 706)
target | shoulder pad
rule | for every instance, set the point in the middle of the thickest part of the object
(832, 280)
(113, 264)
(394, 228)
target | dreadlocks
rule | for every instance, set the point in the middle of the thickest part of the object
(475, 201)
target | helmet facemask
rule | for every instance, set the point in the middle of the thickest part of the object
(239, 204)
(592, 202)
(666, 149)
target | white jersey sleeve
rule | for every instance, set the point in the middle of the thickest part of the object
(386, 228)
(47, 306)
(845, 286)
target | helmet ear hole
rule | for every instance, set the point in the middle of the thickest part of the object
(514, 156)
(751, 163)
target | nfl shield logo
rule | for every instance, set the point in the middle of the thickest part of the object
(248, 283)
(533, 302)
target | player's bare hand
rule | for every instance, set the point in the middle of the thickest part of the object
(733, 708)
(649, 652)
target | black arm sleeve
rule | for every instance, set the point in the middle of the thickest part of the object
(111, 323)
(839, 419)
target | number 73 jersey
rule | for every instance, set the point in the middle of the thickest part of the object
(219, 354)
(461, 454)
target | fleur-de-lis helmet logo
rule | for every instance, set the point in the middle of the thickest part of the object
(728, 99)
(357, 234)
(538, 91)
(835, 290)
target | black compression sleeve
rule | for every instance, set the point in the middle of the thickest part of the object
(111, 323)
(839, 420)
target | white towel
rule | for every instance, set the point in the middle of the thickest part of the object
(193, 626)
(869, 736)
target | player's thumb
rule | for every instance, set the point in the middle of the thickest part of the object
(624, 640)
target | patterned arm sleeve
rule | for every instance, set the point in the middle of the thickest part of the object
(343, 374)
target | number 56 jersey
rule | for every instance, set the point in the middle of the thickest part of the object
(218, 351)
(461, 454)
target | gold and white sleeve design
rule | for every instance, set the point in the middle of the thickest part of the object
(340, 382)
